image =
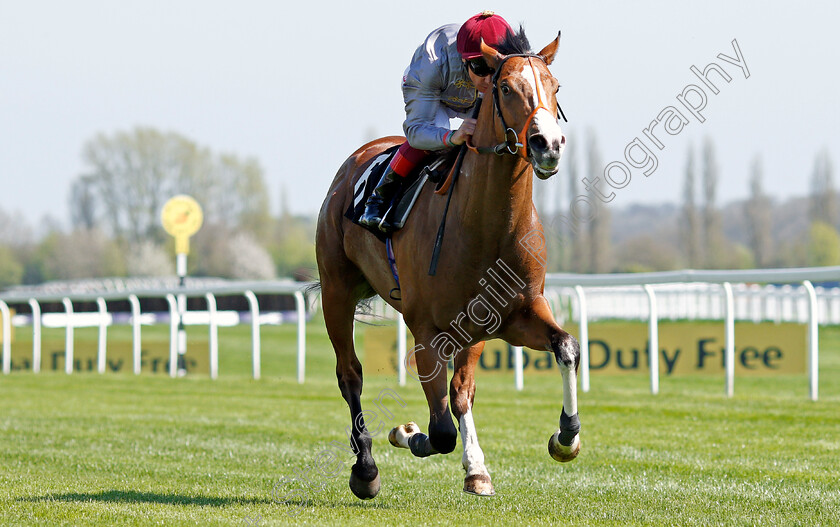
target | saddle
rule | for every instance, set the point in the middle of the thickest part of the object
(434, 169)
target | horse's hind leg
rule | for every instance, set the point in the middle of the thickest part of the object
(339, 301)
(461, 396)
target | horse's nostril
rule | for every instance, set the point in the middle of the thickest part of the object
(538, 142)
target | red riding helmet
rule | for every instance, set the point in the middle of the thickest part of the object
(488, 26)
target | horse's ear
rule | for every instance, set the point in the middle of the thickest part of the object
(550, 50)
(492, 56)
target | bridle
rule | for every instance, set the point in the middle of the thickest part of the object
(514, 143)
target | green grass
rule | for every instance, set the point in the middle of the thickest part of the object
(117, 449)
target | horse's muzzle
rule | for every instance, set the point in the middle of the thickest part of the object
(546, 154)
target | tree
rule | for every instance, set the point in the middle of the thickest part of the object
(758, 215)
(294, 249)
(690, 221)
(236, 197)
(149, 259)
(130, 175)
(645, 253)
(559, 236)
(11, 269)
(713, 240)
(823, 206)
(578, 254)
(14, 230)
(16, 248)
(82, 204)
(79, 254)
(600, 249)
(823, 245)
(249, 260)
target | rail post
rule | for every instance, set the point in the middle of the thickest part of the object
(256, 344)
(103, 334)
(135, 333)
(300, 302)
(68, 336)
(730, 339)
(174, 321)
(36, 335)
(653, 340)
(813, 340)
(401, 348)
(583, 339)
(213, 328)
(6, 313)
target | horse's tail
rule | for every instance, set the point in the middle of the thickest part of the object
(364, 307)
(314, 288)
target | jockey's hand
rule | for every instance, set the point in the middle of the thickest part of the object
(466, 129)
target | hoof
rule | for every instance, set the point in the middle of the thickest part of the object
(364, 490)
(479, 485)
(399, 436)
(562, 453)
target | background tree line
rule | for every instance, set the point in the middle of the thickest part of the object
(115, 227)
(696, 233)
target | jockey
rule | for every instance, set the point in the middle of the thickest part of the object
(444, 79)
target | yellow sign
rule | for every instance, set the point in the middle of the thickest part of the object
(685, 348)
(119, 357)
(182, 217)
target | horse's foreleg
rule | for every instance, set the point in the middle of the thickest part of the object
(431, 371)
(536, 328)
(564, 444)
(462, 395)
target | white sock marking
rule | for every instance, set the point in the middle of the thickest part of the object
(405, 432)
(473, 459)
(569, 389)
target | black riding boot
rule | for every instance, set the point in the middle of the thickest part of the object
(378, 202)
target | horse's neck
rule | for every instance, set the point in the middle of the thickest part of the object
(495, 201)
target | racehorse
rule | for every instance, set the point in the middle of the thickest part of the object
(491, 230)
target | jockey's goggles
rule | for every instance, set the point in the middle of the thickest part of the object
(480, 67)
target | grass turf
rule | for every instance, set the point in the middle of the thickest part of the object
(117, 449)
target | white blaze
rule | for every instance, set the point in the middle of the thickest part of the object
(544, 120)
(533, 77)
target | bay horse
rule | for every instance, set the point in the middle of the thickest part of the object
(490, 232)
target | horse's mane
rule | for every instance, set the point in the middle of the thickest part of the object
(514, 43)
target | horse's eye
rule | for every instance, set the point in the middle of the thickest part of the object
(505, 90)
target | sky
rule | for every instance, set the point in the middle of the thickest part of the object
(300, 86)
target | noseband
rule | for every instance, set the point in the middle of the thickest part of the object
(514, 143)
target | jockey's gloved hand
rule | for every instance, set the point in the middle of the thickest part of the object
(466, 129)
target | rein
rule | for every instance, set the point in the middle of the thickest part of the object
(514, 142)
(455, 171)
